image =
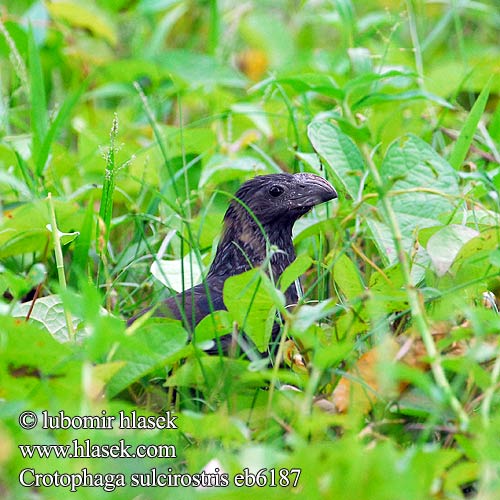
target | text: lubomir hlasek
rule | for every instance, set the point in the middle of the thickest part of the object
(104, 421)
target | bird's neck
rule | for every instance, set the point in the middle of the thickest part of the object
(244, 246)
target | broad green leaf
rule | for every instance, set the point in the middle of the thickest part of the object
(251, 305)
(84, 16)
(24, 229)
(212, 326)
(466, 136)
(157, 343)
(343, 159)
(444, 246)
(473, 259)
(332, 355)
(421, 187)
(305, 315)
(35, 365)
(348, 278)
(49, 312)
(387, 291)
(294, 271)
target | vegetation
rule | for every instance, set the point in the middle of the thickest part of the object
(124, 128)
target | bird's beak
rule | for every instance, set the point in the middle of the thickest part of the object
(315, 190)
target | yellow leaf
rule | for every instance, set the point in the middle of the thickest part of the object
(81, 16)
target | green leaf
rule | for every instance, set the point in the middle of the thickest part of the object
(387, 291)
(294, 271)
(251, 305)
(212, 326)
(347, 276)
(49, 312)
(444, 245)
(35, 365)
(343, 159)
(24, 229)
(473, 259)
(425, 185)
(466, 136)
(306, 315)
(156, 344)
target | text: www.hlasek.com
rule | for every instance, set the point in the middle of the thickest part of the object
(86, 449)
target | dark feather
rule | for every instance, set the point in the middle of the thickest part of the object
(261, 215)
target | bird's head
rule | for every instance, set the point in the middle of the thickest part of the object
(281, 198)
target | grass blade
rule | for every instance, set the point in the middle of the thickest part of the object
(464, 140)
(38, 116)
(79, 264)
(60, 120)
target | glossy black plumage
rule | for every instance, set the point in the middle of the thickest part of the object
(276, 201)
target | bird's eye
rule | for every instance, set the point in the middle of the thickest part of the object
(276, 191)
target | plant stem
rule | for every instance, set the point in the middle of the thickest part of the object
(277, 362)
(489, 393)
(415, 302)
(60, 264)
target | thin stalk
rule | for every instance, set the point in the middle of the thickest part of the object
(489, 393)
(103, 228)
(419, 62)
(416, 305)
(60, 264)
(279, 358)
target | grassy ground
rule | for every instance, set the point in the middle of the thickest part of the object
(128, 124)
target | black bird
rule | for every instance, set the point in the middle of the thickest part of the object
(276, 201)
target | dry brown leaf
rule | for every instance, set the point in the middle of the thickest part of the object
(365, 382)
